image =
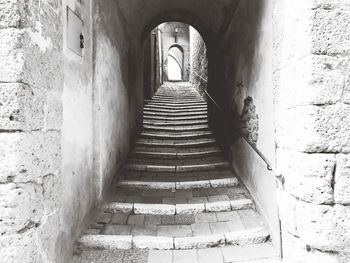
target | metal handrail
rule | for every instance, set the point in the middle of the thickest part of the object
(269, 166)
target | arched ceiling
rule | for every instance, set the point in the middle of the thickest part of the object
(207, 16)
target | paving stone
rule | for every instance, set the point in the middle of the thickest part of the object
(103, 218)
(92, 231)
(217, 198)
(153, 219)
(220, 227)
(117, 230)
(168, 220)
(119, 218)
(250, 218)
(160, 256)
(201, 229)
(149, 242)
(111, 256)
(174, 231)
(206, 218)
(135, 256)
(144, 230)
(210, 255)
(184, 219)
(185, 256)
(198, 200)
(136, 220)
(228, 216)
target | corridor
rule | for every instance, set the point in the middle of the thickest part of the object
(178, 200)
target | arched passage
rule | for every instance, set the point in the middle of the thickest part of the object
(175, 63)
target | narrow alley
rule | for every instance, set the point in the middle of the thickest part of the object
(177, 193)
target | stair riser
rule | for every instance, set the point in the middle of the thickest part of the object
(177, 145)
(180, 129)
(174, 123)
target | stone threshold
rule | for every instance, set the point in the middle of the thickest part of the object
(236, 238)
(216, 183)
(178, 209)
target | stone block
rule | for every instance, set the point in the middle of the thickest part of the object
(227, 182)
(331, 30)
(294, 250)
(22, 108)
(308, 176)
(154, 209)
(315, 129)
(174, 231)
(324, 227)
(241, 204)
(118, 207)
(11, 55)
(287, 205)
(182, 209)
(9, 14)
(342, 179)
(106, 241)
(246, 237)
(53, 111)
(29, 156)
(136, 220)
(150, 242)
(218, 206)
(199, 241)
(20, 207)
(312, 80)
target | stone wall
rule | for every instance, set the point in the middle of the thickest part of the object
(31, 83)
(66, 122)
(311, 79)
(240, 73)
(198, 60)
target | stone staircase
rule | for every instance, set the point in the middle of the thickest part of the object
(177, 200)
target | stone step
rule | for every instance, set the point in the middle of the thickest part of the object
(176, 114)
(177, 100)
(253, 253)
(176, 155)
(190, 106)
(157, 102)
(238, 238)
(177, 135)
(172, 122)
(176, 177)
(177, 128)
(178, 168)
(175, 143)
(178, 209)
(183, 118)
(201, 109)
(215, 183)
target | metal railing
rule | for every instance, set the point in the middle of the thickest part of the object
(269, 165)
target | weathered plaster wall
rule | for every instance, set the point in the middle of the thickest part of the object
(118, 94)
(198, 61)
(311, 78)
(31, 83)
(78, 182)
(243, 88)
(168, 40)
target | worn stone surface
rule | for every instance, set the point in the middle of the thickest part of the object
(315, 129)
(308, 176)
(342, 179)
(324, 227)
